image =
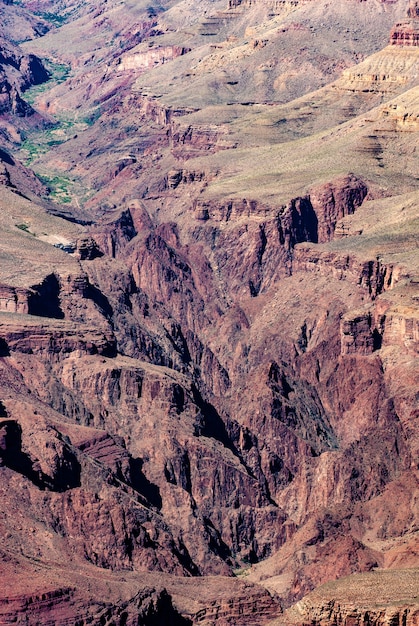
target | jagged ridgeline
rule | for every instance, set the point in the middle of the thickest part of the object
(208, 312)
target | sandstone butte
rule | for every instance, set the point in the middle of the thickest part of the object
(209, 324)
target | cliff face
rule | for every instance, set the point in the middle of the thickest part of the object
(18, 72)
(371, 589)
(179, 426)
(407, 33)
(208, 369)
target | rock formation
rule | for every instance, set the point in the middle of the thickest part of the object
(208, 319)
(407, 33)
(29, 71)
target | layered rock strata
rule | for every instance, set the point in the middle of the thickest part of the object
(208, 399)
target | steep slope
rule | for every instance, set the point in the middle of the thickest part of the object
(20, 24)
(18, 72)
(209, 349)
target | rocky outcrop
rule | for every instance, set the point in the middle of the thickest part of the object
(11, 100)
(384, 73)
(154, 110)
(270, 246)
(63, 605)
(114, 530)
(401, 327)
(177, 177)
(335, 200)
(188, 141)
(18, 178)
(407, 33)
(230, 209)
(115, 235)
(159, 268)
(155, 56)
(404, 116)
(334, 612)
(45, 459)
(373, 276)
(413, 10)
(272, 4)
(238, 611)
(17, 73)
(358, 335)
(87, 249)
(53, 338)
(41, 300)
(309, 218)
(13, 299)
(36, 606)
(384, 324)
(377, 598)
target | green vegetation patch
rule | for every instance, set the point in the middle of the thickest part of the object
(40, 142)
(59, 72)
(55, 19)
(59, 187)
(24, 227)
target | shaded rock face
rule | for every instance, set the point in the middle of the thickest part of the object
(334, 201)
(58, 470)
(17, 73)
(11, 101)
(44, 300)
